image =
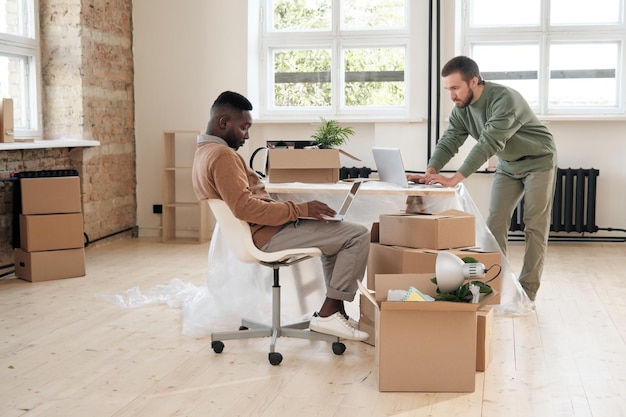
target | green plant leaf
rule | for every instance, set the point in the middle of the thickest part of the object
(330, 134)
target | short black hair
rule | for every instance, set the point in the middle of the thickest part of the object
(235, 100)
(464, 65)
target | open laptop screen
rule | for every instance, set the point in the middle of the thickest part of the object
(390, 166)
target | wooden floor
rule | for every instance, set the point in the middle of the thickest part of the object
(64, 352)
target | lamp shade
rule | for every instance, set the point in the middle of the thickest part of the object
(449, 271)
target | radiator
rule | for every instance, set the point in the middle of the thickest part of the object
(574, 206)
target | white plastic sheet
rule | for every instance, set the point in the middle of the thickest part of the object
(234, 289)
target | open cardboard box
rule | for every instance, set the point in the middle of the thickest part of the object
(445, 230)
(305, 165)
(385, 259)
(423, 346)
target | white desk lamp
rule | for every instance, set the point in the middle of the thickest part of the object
(451, 271)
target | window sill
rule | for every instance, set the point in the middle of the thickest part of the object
(49, 143)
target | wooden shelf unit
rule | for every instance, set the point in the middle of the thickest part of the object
(170, 202)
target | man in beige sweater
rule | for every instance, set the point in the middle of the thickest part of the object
(220, 172)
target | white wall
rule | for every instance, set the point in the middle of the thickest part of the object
(188, 51)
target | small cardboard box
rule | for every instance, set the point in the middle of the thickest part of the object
(49, 265)
(484, 337)
(385, 259)
(446, 230)
(50, 195)
(423, 346)
(304, 165)
(43, 232)
(6, 120)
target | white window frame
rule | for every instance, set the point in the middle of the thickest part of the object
(28, 47)
(261, 80)
(544, 35)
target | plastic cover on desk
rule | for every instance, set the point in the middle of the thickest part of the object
(235, 290)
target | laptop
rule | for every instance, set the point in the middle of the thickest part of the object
(391, 168)
(345, 206)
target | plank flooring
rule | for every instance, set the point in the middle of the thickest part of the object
(66, 352)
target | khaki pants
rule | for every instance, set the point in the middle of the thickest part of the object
(344, 245)
(537, 188)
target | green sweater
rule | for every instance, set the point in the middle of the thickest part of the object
(503, 124)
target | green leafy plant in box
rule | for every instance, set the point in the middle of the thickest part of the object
(331, 135)
(463, 293)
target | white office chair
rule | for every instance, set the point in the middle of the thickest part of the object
(239, 240)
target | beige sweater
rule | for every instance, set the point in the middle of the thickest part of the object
(220, 172)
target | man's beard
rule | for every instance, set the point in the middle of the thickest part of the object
(467, 101)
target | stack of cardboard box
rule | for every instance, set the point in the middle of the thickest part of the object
(51, 239)
(426, 346)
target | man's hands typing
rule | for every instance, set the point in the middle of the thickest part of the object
(319, 210)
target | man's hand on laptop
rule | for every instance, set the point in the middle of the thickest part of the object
(319, 210)
(432, 179)
(416, 178)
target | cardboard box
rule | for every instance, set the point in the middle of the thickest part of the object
(42, 232)
(446, 230)
(385, 259)
(304, 165)
(49, 265)
(6, 120)
(423, 346)
(50, 195)
(484, 337)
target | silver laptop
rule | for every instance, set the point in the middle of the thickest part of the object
(391, 168)
(345, 206)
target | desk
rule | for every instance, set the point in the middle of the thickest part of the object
(374, 198)
(368, 187)
(236, 290)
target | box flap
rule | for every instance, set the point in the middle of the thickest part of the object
(441, 215)
(349, 155)
(386, 282)
(367, 294)
(454, 213)
(427, 306)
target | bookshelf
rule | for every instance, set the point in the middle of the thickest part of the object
(178, 198)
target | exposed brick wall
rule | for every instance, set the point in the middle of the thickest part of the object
(87, 72)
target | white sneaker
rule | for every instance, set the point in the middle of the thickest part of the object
(336, 325)
(353, 323)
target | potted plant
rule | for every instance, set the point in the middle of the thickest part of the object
(330, 134)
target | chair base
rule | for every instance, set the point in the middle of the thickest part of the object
(252, 329)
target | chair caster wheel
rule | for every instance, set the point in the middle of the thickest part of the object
(243, 328)
(338, 348)
(275, 358)
(217, 346)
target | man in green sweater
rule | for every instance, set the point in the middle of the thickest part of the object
(220, 172)
(503, 124)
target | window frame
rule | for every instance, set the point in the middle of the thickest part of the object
(545, 35)
(336, 41)
(29, 48)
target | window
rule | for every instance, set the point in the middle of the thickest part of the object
(565, 56)
(334, 57)
(19, 63)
